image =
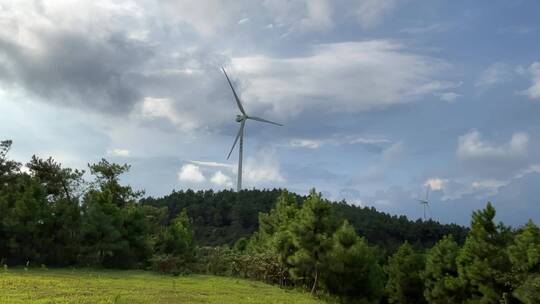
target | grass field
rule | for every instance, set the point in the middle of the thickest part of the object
(105, 286)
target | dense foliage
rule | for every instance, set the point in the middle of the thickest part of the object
(51, 215)
(224, 217)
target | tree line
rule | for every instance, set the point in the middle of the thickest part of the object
(226, 216)
(304, 245)
(52, 216)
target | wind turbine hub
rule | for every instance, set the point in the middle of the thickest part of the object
(239, 118)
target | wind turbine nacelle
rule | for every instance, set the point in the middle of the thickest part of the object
(239, 118)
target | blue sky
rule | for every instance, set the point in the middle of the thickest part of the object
(379, 98)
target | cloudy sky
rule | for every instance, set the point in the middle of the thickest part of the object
(379, 98)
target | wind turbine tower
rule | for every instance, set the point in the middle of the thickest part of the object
(242, 118)
(425, 202)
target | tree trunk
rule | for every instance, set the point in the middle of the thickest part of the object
(315, 282)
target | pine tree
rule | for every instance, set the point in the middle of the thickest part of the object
(175, 246)
(312, 237)
(178, 239)
(102, 228)
(9, 177)
(524, 255)
(63, 188)
(136, 230)
(405, 285)
(353, 272)
(483, 264)
(65, 231)
(275, 229)
(28, 222)
(108, 179)
(441, 282)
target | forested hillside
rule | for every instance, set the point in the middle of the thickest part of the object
(224, 217)
(51, 216)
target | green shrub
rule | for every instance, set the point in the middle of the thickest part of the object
(170, 264)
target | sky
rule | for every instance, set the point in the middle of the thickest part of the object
(380, 99)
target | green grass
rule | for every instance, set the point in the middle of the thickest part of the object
(109, 286)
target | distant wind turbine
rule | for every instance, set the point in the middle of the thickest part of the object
(242, 120)
(425, 202)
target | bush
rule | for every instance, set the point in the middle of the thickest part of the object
(169, 264)
(261, 266)
(214, 260)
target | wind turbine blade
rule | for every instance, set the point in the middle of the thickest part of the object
(234, 92)
(264, 120)
(427, 192)
(240, 131)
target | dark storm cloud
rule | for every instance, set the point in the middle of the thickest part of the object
(75, 70)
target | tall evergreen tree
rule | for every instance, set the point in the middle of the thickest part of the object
(9, 175)
(275, 229)
(405, 284)
(175, 247)
(116, 229)
(59, 182)
(483, 264)
(108, 178)
(178, 238)
(63, 188)
(29, 222)
(353, 271)
(524, 255)
(102, 227)
(8, 168)
(441, 282)
(136, 233)
(312, 237)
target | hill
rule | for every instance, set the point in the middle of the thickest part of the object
(224, 217)
(107, 286)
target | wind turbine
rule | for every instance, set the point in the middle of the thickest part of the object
(425, 202)
(242, 120)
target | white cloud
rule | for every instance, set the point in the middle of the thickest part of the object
(300, 15)
(449, 96)
(488, 186)
(191, 173)
(436, 183)
(434, 28)
(221, 179)
(306, 143)
(152, 108)
(534, 168)
(206, 17)
(119, 152)
(472, 146)
(496, 73)
(335, 140)
(371, 13)
(262, 169)
(355, 76)
(455, 189)
(319, 15)
(211, 164)
(158, 107)
(368, 141)
(533, 92)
